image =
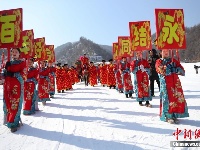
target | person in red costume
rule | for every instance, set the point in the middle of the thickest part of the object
(13, 90)
(111, 81)
(172, 103)
(124, 68)
(92, 74)
(59, 78)
(30, 93)
(141, 68)
(43, 83)
(52, 80)
(67, 78)
(103, 73)
(84, 60)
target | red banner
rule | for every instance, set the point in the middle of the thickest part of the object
(11, 28)
(170, 29)
(115, 51)
(50, 54)
(40, 51)
(124, 47)
(140, 35)
(28, 44)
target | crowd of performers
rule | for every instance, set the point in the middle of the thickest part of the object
(25, 86)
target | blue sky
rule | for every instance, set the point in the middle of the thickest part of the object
(101, 21)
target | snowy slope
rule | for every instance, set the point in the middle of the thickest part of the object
(101, 119)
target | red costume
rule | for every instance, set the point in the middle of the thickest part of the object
(52, 81)
(124, 69)
(103, 74)
(60, 78)
(92, 75)
(67, 79)
(43, 85)
(30, 93)
(140, 69)
(13, 91)
(84, 61)
(111, 81)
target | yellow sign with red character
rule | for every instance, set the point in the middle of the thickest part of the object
(40, 51)
(170, 29)
(50, 54)
(140, 35)
(115, 51)
(11, 28)
(124, 47)
(27, 50)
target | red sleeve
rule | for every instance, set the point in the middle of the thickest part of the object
(32, 74)
(146, 64)
(159, 67)
(45, 72)
(17, 67)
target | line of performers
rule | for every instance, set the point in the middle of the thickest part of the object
(24, 85)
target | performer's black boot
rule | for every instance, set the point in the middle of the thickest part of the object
(130, 94)
(63, 91)
(126, 95)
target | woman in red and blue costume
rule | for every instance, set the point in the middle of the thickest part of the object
(124, 68)
(173, 104)
(14, 75)
(30, 94)
(141, 69)
(43, 83)
(52, 81)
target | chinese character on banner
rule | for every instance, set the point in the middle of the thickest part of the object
(27, 50)
(115, 51)
(140, 35)
(124, 46)
(39, 45)
(50, 54)
(11, 28)
(177, 133)
(170, 29)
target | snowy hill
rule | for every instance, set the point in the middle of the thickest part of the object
(98, 118)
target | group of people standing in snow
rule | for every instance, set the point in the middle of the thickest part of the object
(35, 83)
(159, 67)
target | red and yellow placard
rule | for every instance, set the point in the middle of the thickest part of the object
(40, 51)
(170, 29)
(140, 35)
(115, 51)
(124, 47)
(28, 44)
(50, 54)
(11, 28)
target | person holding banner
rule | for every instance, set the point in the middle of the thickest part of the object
(43, 83)
(140, 68)
(124, 68)
(111, 82)
(119, 85)
(30, 94)
(13, 90)
(173, 104)
(52, 81)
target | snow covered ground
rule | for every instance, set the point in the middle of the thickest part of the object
(102, 119)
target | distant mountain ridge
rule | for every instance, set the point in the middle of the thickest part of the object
(70, 52)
